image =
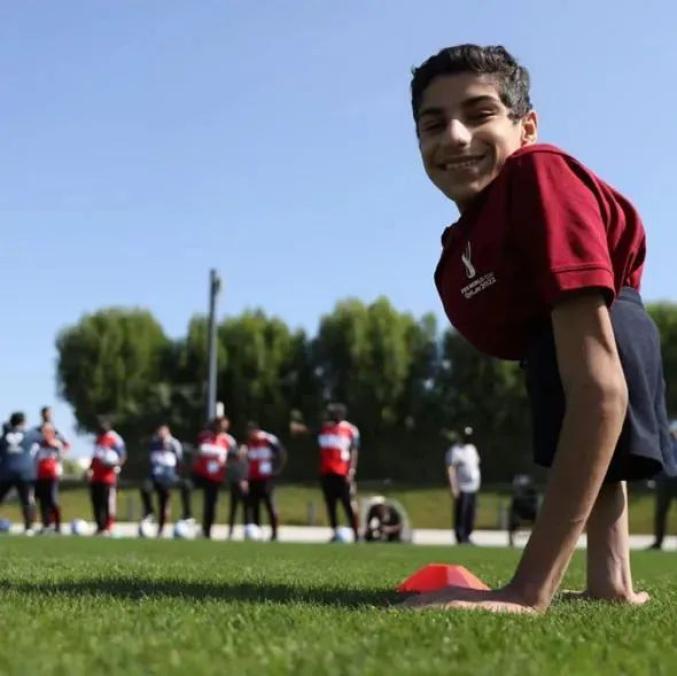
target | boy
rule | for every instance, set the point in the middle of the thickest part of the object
(463, 474)
(107, 459)
(49, 470)
(209, 468)
(339, 443)
(544, 266)
(266, 457)
(165, 455)
(17, 466)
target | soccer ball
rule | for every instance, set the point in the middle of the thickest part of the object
(252, 532)
(79, 527)
(5, 525)
(183, 530)
(146, 529)
(344, 534)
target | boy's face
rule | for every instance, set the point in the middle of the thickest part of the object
(465, 134)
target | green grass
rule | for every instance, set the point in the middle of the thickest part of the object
(87, 606)
(427, 507)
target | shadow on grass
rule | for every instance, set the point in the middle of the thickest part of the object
(137, 589)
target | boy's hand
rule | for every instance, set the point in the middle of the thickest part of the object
(503, 600)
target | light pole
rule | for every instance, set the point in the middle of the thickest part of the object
(214, 288)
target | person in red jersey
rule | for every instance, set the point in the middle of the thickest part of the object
(52, 446)
(265, 458)
(107, 459)
(339, 443)
(209, 468)
(544, 266)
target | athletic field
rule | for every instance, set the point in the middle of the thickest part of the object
(83, 606)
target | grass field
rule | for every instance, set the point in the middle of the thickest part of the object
(87, 606)
(427, 507)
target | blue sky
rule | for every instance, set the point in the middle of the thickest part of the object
(144, 142)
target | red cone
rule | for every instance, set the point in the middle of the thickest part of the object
(439, 575)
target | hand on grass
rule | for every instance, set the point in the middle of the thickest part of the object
(452, 598)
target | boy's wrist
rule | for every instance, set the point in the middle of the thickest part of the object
(529, 594)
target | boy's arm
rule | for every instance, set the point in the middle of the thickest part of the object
(596, 402)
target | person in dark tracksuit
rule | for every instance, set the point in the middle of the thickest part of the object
(18, 448)
(666, 491)
(165, 455)
(543, 267)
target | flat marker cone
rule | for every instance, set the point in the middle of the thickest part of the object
(439, 575)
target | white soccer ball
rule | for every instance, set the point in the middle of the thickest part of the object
(79, 527)
(344, 534)
(111, 458)
(5, 525)
(183, 530)
(146, 529)
(252, 532)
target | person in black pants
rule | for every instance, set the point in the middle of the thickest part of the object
(166, 454)
(463, 474)
(666, 490)
(17, 466)
(236, 474)
(266, 457)
(209, 467)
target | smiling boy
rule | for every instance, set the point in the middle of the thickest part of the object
(544, 266)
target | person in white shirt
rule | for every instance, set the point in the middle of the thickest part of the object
(463, 472)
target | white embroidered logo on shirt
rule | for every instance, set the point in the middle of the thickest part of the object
(469, 267)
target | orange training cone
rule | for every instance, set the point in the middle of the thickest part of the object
(439, 575)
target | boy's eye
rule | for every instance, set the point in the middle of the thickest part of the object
(481, 115)
(432, 126)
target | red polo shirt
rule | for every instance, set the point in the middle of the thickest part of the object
(544, 227)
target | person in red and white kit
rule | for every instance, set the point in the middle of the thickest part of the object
(265, 457)
(51, 448)
(209, 468)
(107, 460)
(339, 443)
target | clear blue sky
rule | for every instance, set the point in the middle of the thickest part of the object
(144, 142)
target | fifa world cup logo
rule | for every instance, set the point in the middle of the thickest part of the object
(469, 267)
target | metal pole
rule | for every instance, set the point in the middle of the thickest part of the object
(214, 288)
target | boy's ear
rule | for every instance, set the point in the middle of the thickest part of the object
(529, 128)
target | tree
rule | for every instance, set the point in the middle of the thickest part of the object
(112, 363)
(488, 395)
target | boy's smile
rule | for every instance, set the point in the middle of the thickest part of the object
(466, 133)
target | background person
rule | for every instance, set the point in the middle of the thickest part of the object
(107, 459)
(339, 443)
(18, 448)
(51, 448)
(463, 474)
(266, 457)
(165, 455)
(209, 467)
(666, 490)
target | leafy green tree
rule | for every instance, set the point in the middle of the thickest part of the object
(488, 395)
(112, 362)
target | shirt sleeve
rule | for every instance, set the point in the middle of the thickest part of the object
(558, 227)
